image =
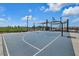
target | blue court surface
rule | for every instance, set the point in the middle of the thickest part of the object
(38, 43)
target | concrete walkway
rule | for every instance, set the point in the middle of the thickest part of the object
(75, 42)
(1, 48)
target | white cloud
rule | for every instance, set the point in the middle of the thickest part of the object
(8, 18)
(5, 19)
(27, 17)
(71, 11)
(75, 20)
(30, 10)
(47, 9)
(2, 19)
(42, 8)
(54, 6)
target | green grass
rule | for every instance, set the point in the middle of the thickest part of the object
(13, 29)
(17, 29)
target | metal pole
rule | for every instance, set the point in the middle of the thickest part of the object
(46, 25)
(62, 29)
(67, 25)
(43, 27)
(61, 26)
(34, 26)
(60, 18)
(51, 26)
(27, 23)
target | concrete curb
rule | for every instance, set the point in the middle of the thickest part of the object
(75, 42)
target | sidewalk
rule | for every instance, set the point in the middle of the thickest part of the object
(1, 48)
(75, 43)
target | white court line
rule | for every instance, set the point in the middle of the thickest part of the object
(30, 44)
(47, 45)
(5, 45)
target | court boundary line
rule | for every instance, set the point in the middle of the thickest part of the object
(47, 45)
(30, 44)
(5, 45)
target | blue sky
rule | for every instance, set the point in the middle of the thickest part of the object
(14, 14)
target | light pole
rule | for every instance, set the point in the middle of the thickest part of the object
(34, 26)
(27, 22)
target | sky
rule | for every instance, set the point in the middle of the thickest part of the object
(15, 14)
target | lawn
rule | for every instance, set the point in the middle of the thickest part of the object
(13, 29)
